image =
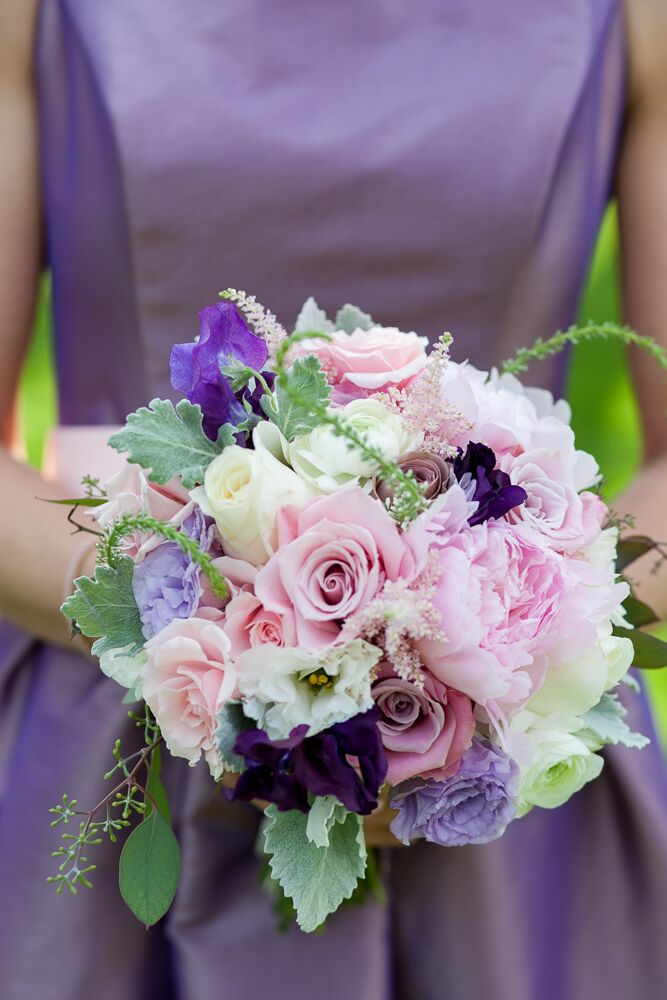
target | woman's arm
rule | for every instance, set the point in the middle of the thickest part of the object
(35, 542)
(642, 198)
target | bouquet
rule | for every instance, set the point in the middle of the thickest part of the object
(348, 571)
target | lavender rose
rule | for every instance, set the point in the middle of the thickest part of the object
(473, 807)
(427, 467)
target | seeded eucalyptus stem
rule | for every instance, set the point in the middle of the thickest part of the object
(409, 500)
(109, 546)
(542, 349)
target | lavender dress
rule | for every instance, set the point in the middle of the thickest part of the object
(440, 163)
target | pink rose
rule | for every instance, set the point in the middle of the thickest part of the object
(367, 361)
(187, 679)
(334, 557)
(248, 624)
(424, 732)
(566, 520)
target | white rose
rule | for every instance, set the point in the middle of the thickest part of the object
(328, 462)
(574, 688)
(244, 488)
(288, 687)
(558, 763)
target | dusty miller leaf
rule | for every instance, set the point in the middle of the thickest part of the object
(105, 608)
(351, 318)
(325, 810)
(298, 398)
(316, 879)
(605, 721)
(169, 441)
(312, 319)
(231, 722)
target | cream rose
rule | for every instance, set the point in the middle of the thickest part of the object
(244, 488)
(327, 462)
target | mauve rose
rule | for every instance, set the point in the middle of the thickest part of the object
(427, 468)
(335, 554)
(424, 732)
(367, 361)
(248, 624)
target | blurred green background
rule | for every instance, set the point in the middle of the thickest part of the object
(605, 414)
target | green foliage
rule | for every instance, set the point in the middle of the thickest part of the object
(126, 524)
(105, 607)
(638, 614)
(150, 867)
(312, 319)
(325, 812)
(542, 349)
(170, 441)
(650, 651)
(606, 723)
(231, 722)
(351, 318)
(631, 548)
(316, 879)
(300, 395)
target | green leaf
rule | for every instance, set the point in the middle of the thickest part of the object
(351, 318)
(605, 721)
(231, 722)
(299, 396)
(316, 879)
(637, 613)
(170, 441)
(156, 789)
(631, 548)
(105, 607)
(650, 651)
(150, 866)
(77, 501)
(312, 319)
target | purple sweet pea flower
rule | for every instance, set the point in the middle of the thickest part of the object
(284, 771)
(167, 583)
(195, 367)
(473, 807)
(477, 473)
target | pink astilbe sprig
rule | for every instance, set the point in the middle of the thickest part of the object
(263, 322)
(422, 408)
(397, 618)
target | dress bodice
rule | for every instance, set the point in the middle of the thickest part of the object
(442, 164)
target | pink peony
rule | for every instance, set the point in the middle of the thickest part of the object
(567, 520)
(334, 557)
(368, 361)
(187, 679)
(424, 732)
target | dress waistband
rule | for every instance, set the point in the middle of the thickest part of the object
(72, 452)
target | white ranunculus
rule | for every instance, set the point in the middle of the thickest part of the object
(244, 488)
(574, 688)
(123, 669)
(327, 462)
(558, 763)
(287, 687)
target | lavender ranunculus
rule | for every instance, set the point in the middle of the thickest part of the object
(195, 367)
(473, 807)
(167, 583)
(428, 469)
(492, 489)
(284, 771)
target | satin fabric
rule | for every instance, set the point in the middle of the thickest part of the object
(441, 164)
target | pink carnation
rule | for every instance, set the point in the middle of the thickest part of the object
(368, 361)
(186, 681)
(424, 732)
(334, 557)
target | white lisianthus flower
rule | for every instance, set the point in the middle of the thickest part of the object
(557, 764)
(124, 669)
(574, 688)
(287, 687)
(244, 488)
(328, 462)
